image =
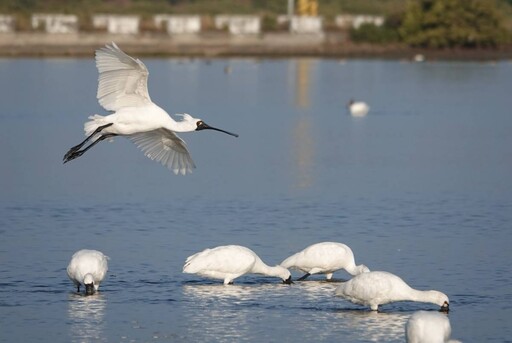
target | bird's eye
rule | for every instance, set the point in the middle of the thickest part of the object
(199, 123)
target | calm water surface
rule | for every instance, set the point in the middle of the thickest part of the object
(421, 187)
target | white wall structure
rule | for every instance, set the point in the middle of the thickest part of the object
(306, 24)
(55, 23)
(355, 21)
(178, 24)
(6, 23)
(239, 24)
(117, 24)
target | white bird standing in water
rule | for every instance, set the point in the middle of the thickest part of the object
(358, 108)
(122, 89)
(324, 258)
(428, 327)
(229, 262)
(378, 288)
(88, 267)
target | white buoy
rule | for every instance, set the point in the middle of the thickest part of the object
(88, 268)
(324, 258)
(229, 262)
(123, 89)
(378, 288)
(358, 108)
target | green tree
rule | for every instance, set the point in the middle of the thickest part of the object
(453, 23)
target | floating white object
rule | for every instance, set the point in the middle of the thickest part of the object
(88, 268)
(324, 258)
(428, 327)
(358, 109)
(229, 262)
(123, 90)
(378, 288)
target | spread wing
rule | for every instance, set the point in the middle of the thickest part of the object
(123, 80)
(166, 147)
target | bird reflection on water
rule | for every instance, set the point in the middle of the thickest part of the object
(85, 315)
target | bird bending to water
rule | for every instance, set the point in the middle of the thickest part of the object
(229, 262)
(428, 327)
(123, 90)
(324, 258)
(358, 108)
(378, 288)
(88, 267)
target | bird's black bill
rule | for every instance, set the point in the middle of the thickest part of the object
(204, 126)
(445, 307)
(89, 289)
(288, 281)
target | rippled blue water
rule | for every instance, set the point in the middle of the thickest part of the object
(421, 187)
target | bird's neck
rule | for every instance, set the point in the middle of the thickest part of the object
(180, 126)
(352, 269)
(424, 296)
(261, 268)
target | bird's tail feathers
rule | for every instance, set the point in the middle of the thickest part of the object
(94, 122)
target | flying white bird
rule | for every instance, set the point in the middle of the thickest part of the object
(377, 288)
(358, 109)
(88, 267)
(428, 327)
(123, 90)
(324, 258)
(229, 262)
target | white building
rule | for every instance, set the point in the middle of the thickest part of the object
(239, 24)
(178, 24)
(6, 23)
(117, 24)
(346, 21)
(55, 23)
(306, 24)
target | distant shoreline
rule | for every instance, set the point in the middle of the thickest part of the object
(223, 45)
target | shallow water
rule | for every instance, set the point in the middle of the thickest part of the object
(421, 187)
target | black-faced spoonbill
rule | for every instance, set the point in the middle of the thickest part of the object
(88, 267)
(428, 327)
(123, 89)
(378, 288)
(324, 258)
(229, 262)
(358, 108)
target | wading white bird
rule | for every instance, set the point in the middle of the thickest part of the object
(88, 267)
(358, 108)
(428, 327)
(123, 90)
(378, 288)
(324, 258)
(229, 262)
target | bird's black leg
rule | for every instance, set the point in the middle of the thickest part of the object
(75, 154)
(303, 277)
(77, 147)
(78, 288)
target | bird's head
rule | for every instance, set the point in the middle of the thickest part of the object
(362, 269)
(442, 300)
(196, 124)
(89, 284)
(284, 274)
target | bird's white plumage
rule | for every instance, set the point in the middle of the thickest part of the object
(378, 288)
(358, 109)
(324, 258)
(428, 327)
(166, 147)
(229, 262)
(87, 264)
(122, 89)
(123, 80)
